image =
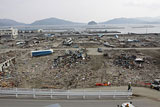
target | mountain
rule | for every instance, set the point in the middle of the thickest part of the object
(56, 21)
(124, 21)
(8, 22)
(140, 20)
(92, 23)
(53, 21)
(150, 19)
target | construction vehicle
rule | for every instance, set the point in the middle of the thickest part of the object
(156, 84)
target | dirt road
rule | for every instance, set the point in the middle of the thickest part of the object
(91, 51)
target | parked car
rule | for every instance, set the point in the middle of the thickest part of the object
(99, 49)
(156, 84)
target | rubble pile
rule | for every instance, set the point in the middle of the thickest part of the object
(71, 58)
(5, 56)
(134, 66)
(79, 68)
(8, 75)
(128, 61)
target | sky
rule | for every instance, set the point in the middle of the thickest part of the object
(28, 11)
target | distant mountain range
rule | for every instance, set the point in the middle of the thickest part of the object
(48, 21)
(56, 21)
(124, 21)
(140, 20)
(8, 22)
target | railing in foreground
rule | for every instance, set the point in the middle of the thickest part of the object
(69, 94)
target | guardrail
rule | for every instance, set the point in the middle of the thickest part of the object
(69, 94)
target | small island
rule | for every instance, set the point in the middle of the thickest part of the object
(92, 23)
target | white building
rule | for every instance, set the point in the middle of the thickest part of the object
(40, 30)
(13, 33)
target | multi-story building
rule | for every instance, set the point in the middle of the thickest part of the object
(10, 32)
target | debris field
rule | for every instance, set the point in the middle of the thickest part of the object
(73, 64)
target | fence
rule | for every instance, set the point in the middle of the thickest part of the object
(69, 94)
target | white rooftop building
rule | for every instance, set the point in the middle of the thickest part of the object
(13, 33)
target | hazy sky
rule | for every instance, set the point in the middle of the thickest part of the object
(77, 10)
